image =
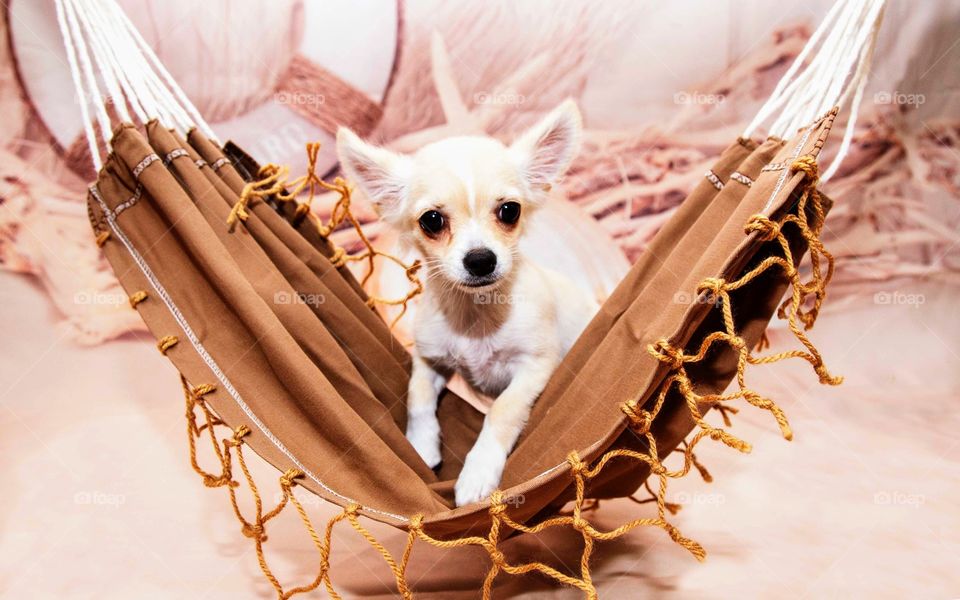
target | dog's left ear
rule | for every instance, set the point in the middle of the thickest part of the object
(544, 152)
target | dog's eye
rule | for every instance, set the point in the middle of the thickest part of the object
(432, 222)
(509, 212)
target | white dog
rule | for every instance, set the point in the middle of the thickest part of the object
(487, 313)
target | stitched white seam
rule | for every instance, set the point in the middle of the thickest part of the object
(129, 202)
(714, 179)
(783, 176)
(209, 360)
(740, 177)
(143, 164)
(169, 158)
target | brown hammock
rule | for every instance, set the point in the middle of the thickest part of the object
(280, 350)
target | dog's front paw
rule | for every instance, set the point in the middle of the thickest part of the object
(480, 475)
(423, 433)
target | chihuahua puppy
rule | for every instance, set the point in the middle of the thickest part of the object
(487, 312)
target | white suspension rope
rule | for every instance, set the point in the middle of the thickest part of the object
(185, 102)
(78, 84)
(830, 70)
(781, 91)
(105, 66)
(821, 74)
(101, 32)
(860, 79)
(101, 40)
(91, 86)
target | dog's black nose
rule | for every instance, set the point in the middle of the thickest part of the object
(480, 262)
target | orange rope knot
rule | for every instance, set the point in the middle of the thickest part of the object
(734, 442)
(497, 504)
(255, 531)
(664, 352)
(640, 419)
(271, 182)
(203, 389)
(714, 285)
(807, 165)
(238, 435)
(577, 466)
(416, 523)
(352, 509)
(765, 228)
(166, 342)
(737, 342)
(825, 376)
(339, 256)
(102, 238)
(287, 480)
(693, 547)
(300, 213)
(137, 297)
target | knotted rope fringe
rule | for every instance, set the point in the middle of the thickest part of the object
(640, 419)
(272, 183)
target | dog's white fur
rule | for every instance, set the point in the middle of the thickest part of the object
(507, 334)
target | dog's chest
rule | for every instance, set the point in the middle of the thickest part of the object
(488, 362)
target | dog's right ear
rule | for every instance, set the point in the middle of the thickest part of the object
(381, 174)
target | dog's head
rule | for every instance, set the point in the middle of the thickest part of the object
(463, 201)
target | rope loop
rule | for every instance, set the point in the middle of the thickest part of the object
(577, 466)
(287, 480)
(766, 229)
(663, 351)
(640, 419)
(137, 297)
(416, 522)
(166, 342)
(238, 435)
(203, 389)
(497, 505)
(807, 165)
(255, 531)
(714, 285)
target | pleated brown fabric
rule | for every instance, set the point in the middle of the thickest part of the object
(299, 358)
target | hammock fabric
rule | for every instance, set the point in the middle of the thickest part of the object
(279, 348)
